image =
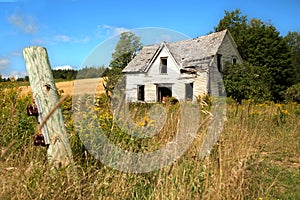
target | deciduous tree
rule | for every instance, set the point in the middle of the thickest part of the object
(126, 49)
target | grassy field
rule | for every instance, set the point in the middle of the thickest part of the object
(257, 157)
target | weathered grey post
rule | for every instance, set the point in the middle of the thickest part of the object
(46, 97)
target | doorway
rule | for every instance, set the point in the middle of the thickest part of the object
(163, 93)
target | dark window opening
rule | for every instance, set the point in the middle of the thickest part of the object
(163, 65)
(219, 62)
(189, 91)
(163, 93)
(141, 93)
(234, 61)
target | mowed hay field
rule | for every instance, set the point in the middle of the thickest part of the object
(80, 86)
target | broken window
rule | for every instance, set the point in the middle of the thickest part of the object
(189, 91)
(163, 65)
(141, 93)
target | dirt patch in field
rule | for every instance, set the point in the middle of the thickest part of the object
(82, 86)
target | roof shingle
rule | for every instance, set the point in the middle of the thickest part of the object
(186, 52)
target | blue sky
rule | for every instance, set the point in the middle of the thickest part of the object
(72, 29)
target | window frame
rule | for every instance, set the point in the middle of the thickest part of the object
(189, 94)
(163, 65)
(141, 92)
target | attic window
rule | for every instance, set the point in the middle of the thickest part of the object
(163, 65)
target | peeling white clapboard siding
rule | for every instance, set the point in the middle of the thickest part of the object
(201, 84)
(150, 92)
(198, 54)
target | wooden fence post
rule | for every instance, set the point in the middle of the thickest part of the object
(45, 95)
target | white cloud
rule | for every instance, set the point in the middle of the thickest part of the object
(16, 54)
(4, 63)
(16, 74)
(107, 30)
(63, 67)
(25, 23)
(83, 40)
(62, 38)
(39, 41)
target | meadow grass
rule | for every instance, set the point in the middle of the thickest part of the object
(256, 157)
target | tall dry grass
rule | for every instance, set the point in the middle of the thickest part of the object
(257, 156)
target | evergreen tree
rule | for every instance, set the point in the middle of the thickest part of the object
(261, 45)
(293, 41)
(265, 47)
(236, 23)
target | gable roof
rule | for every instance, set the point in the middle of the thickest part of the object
(185, 53)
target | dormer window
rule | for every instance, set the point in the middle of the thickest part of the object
(163, 65)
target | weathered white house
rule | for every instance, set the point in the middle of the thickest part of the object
(183, 69)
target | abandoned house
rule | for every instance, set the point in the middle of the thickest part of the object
(183, 69)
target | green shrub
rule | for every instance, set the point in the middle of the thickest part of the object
(293, 93)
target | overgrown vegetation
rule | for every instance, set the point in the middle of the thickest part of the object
(257, 157)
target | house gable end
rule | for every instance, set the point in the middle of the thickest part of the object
(165, 55)
(228, 49)
(157, 55)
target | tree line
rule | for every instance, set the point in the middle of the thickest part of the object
(71, 74)
(65, 74)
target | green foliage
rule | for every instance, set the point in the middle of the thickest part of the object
(236, 23)
(244, 81)
(261, 45)
(64, 74)
(90, 72)
(293, 42)
(126, 49)
(14, 122)
(86, 72)
(293, 93)
(266, 48)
